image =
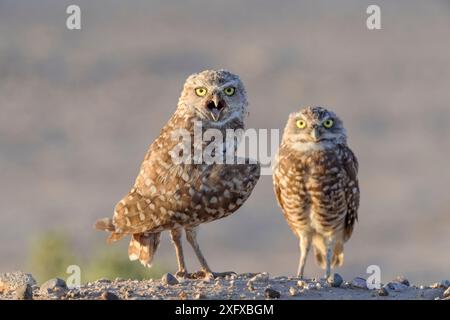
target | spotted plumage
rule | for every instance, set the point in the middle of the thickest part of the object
(173, 195)
(316, 184)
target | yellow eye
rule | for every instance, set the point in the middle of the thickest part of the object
(301, 124)
(328, 123)
(229, 91)
(201, 91)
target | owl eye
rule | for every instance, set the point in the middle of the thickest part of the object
(201, 91)
(229, 91)
(301, 124)
(328, 123)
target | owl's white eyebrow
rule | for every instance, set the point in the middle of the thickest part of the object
(229, 83)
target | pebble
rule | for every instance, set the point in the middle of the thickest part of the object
(24, 292)
(301, 283)
(169, 279)
(260, 277)
(396, 286)
(250, 286)
(270, 293)
(447, 293)
(335, 280)
(13, 280)
(293, 291)
(52, 285)
(199, 296)
(383, 292)
(402, 280)
(108, 295)
(359, 283)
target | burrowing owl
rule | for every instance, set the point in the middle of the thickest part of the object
(175, 195)
(316, 185)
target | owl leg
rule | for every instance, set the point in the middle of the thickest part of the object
(329, 254)
(191, 236)
(305, 244)
(175, 235)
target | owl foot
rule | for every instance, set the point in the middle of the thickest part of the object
(209, 275)
(183, 274)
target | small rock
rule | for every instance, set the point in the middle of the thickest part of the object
(108, 295)
(310, 286)
(301, 283)
(250, 286)
(199, 296)
(169, 279)
(382, 292)
(396, 286)
(293, 291)
(359, 283)
(13, 280)
(24, 292)
(432, 294)
(447, 293)
(52, 284)
(270, 293)
(260, 277)
(402, 280)
(182, 295)
(335, 280)
(436, 285)
(318, 286)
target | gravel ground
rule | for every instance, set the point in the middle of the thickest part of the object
(18, 285)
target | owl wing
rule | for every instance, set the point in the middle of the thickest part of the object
(351, 166)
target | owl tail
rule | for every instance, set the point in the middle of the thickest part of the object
(106, 224)
(143, 247)
(320, 253)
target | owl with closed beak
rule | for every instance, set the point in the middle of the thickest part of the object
(176, 196)
(316, 185)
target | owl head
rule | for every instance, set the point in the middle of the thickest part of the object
(214, 95)
(314, 127)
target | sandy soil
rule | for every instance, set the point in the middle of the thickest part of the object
(240, 287)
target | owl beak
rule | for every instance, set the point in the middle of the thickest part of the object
(215, 107)
(315, 134)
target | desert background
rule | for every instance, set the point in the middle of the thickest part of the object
(78, 110)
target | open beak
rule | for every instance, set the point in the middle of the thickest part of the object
(215, 107)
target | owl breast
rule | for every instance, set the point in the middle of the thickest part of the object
(311, 189)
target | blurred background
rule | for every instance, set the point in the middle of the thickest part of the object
(78, 110)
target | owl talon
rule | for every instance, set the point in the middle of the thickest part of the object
(182, 274)
(209, 275)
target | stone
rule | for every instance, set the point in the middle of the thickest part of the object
(270, 293)
(301, 283)
(396, 286)
(108, 295)
(293, 291)
(402, 280)
(431, 294)
(24, 292)
(335, 280)
(51, 285)
(359, 283)
(382, 292)
(169, 279)
(447, 293)
(10, 281)
(199, 296)
(260, 277)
